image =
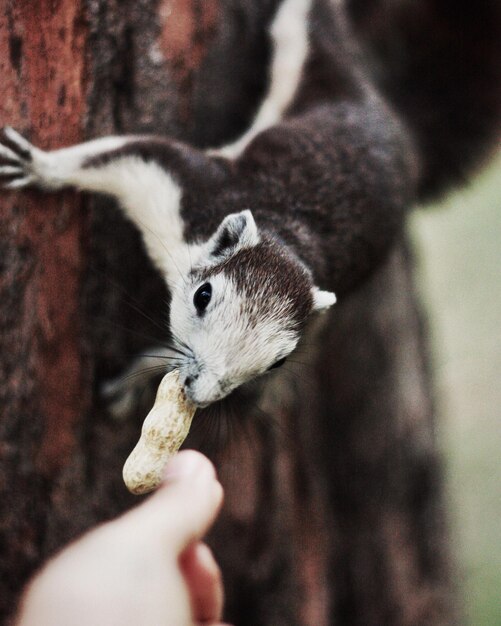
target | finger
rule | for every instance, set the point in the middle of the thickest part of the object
(204, 580)
(193, 497)
(183, 509)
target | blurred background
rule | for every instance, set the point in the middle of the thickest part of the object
(458, 249)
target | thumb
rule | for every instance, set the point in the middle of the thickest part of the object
(185, 506)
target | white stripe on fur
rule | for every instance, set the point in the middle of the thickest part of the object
(289, 32)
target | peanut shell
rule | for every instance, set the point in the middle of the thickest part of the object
(164, 430)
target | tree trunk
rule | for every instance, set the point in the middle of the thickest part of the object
(333, 512)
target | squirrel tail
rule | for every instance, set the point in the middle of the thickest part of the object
(439, 64)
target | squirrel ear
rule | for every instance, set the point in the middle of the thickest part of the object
(236, 231)
(322, 300)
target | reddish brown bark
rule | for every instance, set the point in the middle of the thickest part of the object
(185, 31)
(46, 73)
(186, 27)
(42, 367)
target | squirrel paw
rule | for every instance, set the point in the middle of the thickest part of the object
(16, 160)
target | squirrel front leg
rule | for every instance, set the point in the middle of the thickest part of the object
(146, 175)
(332, 184)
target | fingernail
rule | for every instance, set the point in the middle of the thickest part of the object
(186, 464)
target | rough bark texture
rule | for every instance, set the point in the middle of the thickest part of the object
(334, 506)
(42, 367)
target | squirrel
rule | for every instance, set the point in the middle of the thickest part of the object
(254, 237)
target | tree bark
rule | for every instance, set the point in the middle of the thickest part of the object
(334, 507)
(43, 395)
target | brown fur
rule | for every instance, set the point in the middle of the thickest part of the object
(264, 272)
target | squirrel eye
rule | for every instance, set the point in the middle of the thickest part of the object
(202, 297)
(278, 363)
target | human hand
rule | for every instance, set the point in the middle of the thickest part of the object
(148, 567)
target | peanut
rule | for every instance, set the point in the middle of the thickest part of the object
(164, 430)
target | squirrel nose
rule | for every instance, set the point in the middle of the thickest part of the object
(202, 390)
(190, 379)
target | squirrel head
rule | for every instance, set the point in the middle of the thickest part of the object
(241, 309)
